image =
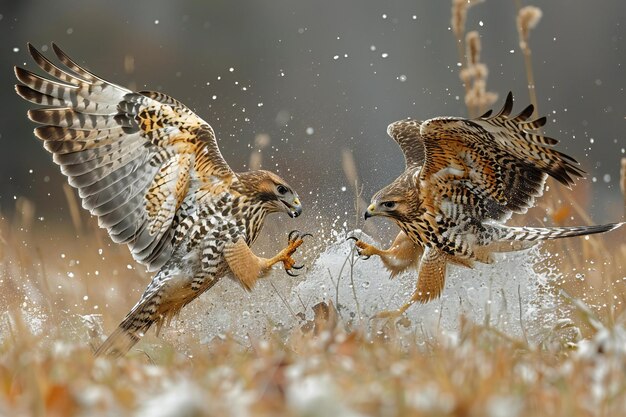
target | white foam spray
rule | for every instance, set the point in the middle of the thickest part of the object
(512, 295)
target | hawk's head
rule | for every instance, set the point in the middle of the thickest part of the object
(396, 201)
(273, 192)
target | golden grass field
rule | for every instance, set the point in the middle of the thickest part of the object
(64, 286)
(325, 367)
(52, 280)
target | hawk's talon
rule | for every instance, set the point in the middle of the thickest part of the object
(359, 252)
(295, 239)
(364, 250)
(358, 249)
(297, 235)
(290, 236)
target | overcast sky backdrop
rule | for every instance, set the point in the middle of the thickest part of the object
(322, 76)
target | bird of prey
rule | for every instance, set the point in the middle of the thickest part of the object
(463, 179)
(150, 170)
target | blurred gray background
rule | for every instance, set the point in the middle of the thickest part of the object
(322, 76)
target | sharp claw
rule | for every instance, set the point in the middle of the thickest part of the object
(352, 238)
(365, 258)
(297, 267)
(292, 233)
(291, 274)
(305, 235)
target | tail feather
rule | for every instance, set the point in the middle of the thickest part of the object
(118, 343)
(133, 327)
(544, 233)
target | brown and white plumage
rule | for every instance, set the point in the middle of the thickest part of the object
(463, 179)
(150, 170)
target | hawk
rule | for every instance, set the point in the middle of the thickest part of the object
(463, 179)
(150, 170)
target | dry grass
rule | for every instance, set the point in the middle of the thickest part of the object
(472, 72)
(49, 286)
(527, 18)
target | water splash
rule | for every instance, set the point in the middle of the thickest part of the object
(513, 295)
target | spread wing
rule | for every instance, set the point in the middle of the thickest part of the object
(491, 166)
(134, 157)
(406, 133)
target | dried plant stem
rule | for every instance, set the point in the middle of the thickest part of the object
(530, 77)
(353, 260)
(622, 181)
(359, 203)
(74, 207)
(261, 142)
(45, 282)
(285, 303)
(459, 15)
(460, 47)
(472, 72)
(336, 285)
(527, 18)
(521, 313)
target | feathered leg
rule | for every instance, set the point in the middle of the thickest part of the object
(248, 267)
(400, 256)
(430, 281)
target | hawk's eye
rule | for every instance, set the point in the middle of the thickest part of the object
(281, 189)
(389, 204)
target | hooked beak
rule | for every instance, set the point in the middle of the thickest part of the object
(370, 212)
(294, 208)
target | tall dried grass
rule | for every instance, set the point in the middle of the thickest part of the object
(472, 72)
(527, 18)
(321, 368)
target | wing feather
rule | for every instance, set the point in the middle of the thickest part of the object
(132, 155)
(406, 133)
(492, 166)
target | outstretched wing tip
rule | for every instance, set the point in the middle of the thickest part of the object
(32, 115)
(486, 114)
(513, 145)
(406, 133)
(21, 74)
(84, 123)
(31, 49)
(57, 49)
(507, 107)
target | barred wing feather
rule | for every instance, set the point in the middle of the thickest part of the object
(133, 156)
(491, 166)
